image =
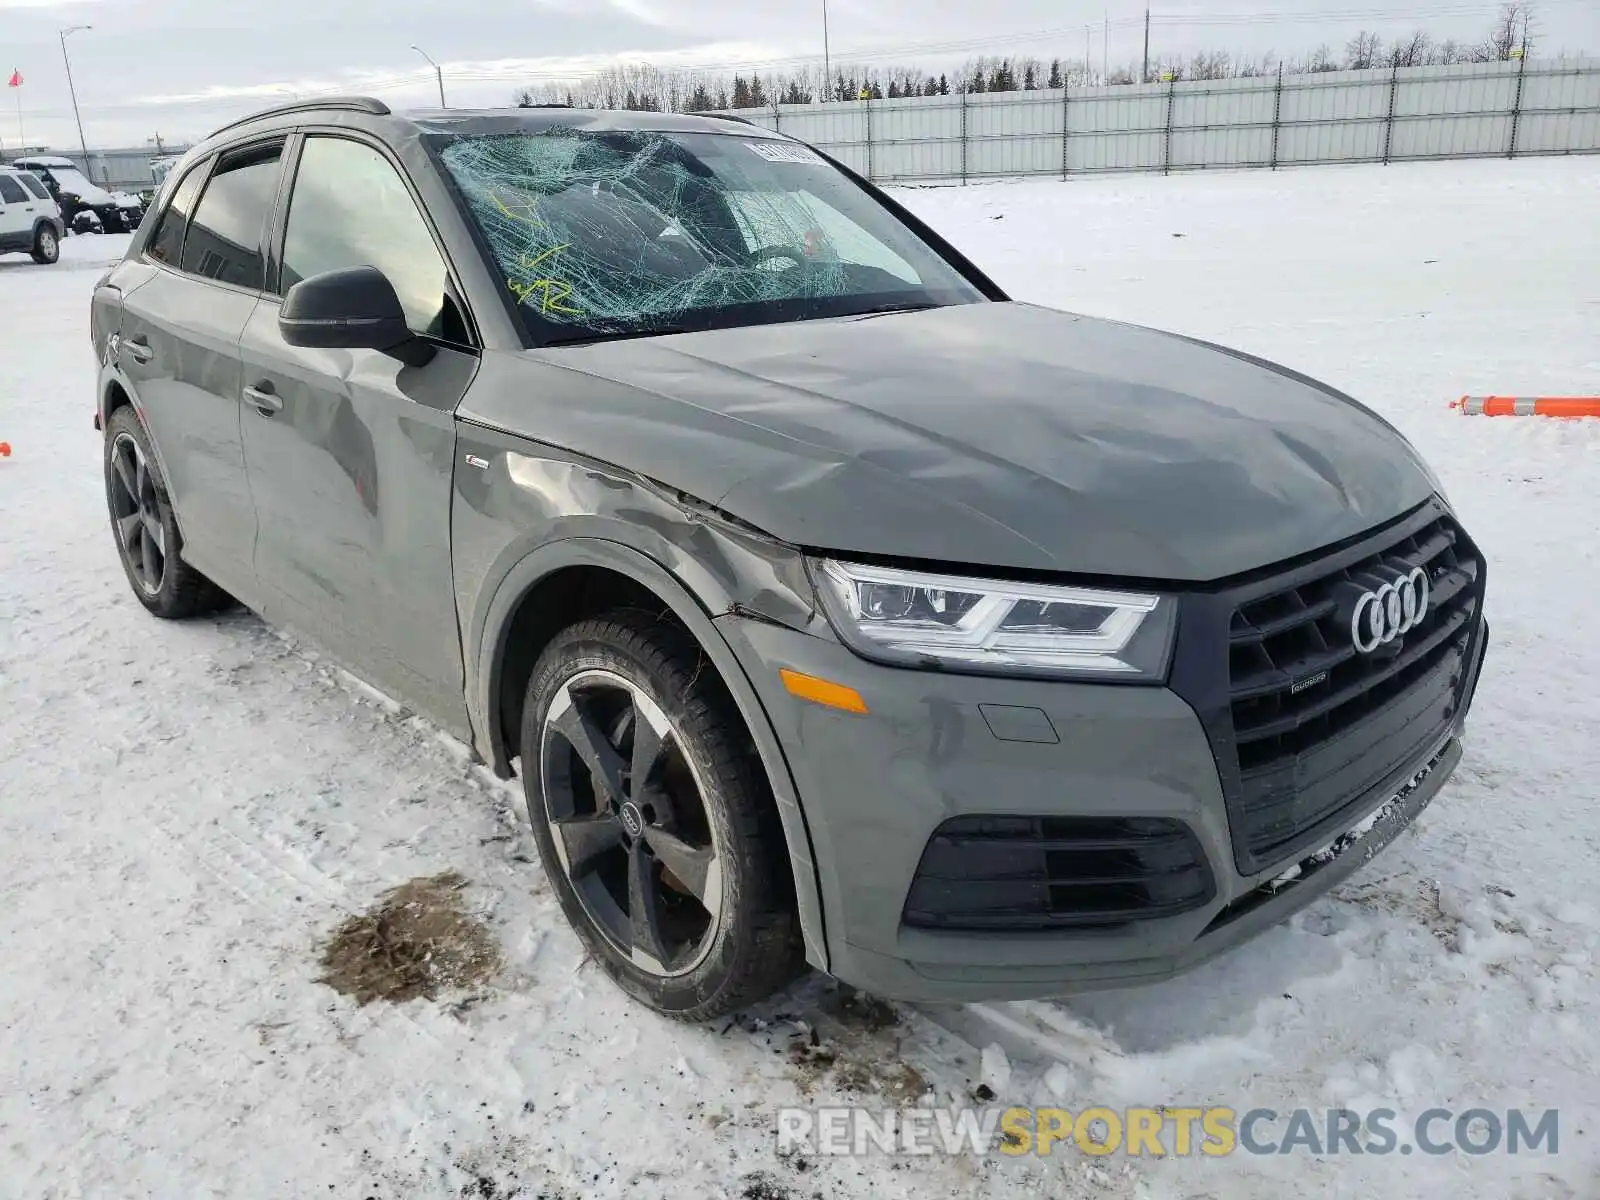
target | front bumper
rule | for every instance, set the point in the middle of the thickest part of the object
(875, 787)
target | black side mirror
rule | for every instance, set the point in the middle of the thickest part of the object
(355, 308)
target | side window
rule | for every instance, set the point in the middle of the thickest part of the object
(33, 185)
(166, 242)
(225, 233)
(11, 191)
(350, 208)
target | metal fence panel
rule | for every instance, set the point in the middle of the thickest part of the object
(1461, 111)
(1221, 147)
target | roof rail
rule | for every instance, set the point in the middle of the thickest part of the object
(728, 117)
(361, 104)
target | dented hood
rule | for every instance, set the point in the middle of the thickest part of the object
(998, 435)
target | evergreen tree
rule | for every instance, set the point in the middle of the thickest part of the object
(741, 92)
(758, 93)
(1056, 81)
(1029, 83)
(944, 86)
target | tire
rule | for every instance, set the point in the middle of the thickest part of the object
(750, 945)
(46, 246)
(141, 514)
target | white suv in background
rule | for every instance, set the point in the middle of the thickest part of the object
(30, 221)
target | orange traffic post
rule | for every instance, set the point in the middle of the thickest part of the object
(5, 449)
(1528, 406)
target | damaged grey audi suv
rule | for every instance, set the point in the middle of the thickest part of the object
(833, 607)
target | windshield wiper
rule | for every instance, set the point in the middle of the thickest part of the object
(616, 335)
(902, 306)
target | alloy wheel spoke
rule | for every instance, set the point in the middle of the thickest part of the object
(141, 478)
(598, 754)
(696, 868)
(153, 530)
(644, 908)
(149, 561)
(647, 745)
(129, 525)
(584, 840)
(125, 476)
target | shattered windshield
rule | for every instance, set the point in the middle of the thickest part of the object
(603, 234)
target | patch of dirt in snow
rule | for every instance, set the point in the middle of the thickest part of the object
(418, 940)
(1420, 904)
(853, 1043)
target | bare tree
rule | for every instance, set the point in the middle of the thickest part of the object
(1510, 33)
(1363, 52)
(1321, 61)
(1214, 64)
(1412, 51)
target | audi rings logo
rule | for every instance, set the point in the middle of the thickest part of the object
(1389, 611)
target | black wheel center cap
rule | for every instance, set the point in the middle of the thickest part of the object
(632, 819)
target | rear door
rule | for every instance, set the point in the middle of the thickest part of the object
(350, 452)
(178, 346)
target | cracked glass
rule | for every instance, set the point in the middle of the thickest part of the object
(622, 233)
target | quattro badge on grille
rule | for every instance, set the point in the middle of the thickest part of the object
(1382, 605)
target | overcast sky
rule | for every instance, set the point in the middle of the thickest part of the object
(180, 67)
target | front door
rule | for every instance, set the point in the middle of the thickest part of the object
(350, 451)
(178, 346)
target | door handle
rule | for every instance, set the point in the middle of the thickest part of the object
(138, 349)
(263, 399)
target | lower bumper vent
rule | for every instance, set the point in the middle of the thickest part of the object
(1019, 874)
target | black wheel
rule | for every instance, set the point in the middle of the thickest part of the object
(147, 535)
(46, 246)
(654, 818)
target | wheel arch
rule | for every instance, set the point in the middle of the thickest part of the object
(542, 593)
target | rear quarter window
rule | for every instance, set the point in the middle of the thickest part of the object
(166, 240)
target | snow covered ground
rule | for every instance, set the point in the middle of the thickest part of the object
(187, 810)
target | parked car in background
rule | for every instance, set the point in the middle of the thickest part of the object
(836, 607)
(29, 220)
(131, 207)
(76, 196)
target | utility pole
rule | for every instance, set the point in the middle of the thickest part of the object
(1105, 49)
(1088, 59)
(83, 143)
(1144, 74)
(438, 74)
(827, 57)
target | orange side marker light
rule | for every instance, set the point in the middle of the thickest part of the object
(821, 691)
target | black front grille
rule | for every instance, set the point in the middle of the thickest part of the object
(1033, 873)
(1313, 723)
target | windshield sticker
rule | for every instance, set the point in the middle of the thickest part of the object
(785, 152)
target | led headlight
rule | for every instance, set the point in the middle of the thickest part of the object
(960, 623)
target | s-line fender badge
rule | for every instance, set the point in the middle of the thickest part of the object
(474, 461)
